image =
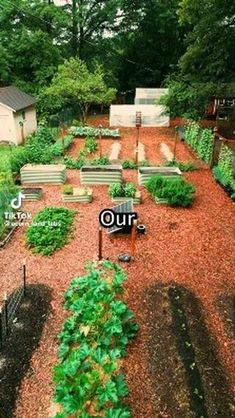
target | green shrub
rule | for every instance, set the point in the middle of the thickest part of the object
(8, 191)
(116, 190)
(144, 163)
(129, 164)
(67, 189)
(122, 190)
(102, 160)
(177, 192)
(129, 190)
(50, 230)
(94, 338)
(40, 148)
(154, 184)
(90, 145)
(183, 166)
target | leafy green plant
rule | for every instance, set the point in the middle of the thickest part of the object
(8, 191)
(102, 160)
(129, 164)
(201, 140)
(90, 145)
(91, 132)
(67, 189)
(74, 164)
(177, 192)
(183, 166)
(144, 163)
(50, 230)
(122, 190)
(116, 190)
(129, 190)
(92, 341)
(40, 148)
(224, 173)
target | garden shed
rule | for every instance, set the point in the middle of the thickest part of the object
(17, 115)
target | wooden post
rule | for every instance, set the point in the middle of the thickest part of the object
(100, 137)
(100, 255)
(175, 144)
(1, 332)
(6, 312)
(24, 276)
(214, 157)
(133, 239)
(137, 156)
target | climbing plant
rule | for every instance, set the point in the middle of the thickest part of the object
(225, 172)
(201, 140)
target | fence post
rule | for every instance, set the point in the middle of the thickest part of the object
(1, 331)
(24, 277)
(6, 312)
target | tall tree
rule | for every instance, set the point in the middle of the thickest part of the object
(210, 42)
(76, 86)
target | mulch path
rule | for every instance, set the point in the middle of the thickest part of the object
(191, 249)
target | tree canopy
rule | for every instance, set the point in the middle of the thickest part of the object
(75, 85)
(185, 44)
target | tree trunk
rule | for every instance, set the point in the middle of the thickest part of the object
(74, 40)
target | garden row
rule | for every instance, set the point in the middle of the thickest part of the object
(92, 343)
(202, 142)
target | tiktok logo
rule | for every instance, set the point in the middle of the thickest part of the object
(16, 203)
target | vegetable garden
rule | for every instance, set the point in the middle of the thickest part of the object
(179, 356)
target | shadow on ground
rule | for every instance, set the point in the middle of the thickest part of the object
(18, 348)
(187, 376)
(226, 305)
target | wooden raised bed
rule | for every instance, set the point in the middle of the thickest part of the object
(80, 195)
(101, 175)
(145, 173)
(136, 200)
(40, 174)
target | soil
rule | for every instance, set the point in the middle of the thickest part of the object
(188, 249)
(24, 336)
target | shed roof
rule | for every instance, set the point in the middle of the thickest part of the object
(15, 99)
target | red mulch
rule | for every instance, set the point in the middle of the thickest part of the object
(196, 253)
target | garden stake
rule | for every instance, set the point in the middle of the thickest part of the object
(100, 243)
(133, 239)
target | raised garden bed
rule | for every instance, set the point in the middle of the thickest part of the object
(145, 173)
(101, 175)
(32, 194)
(48, 174)
(79, 195)
(161, 201)
(136, 200)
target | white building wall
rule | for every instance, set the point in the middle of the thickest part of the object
(125, 116)
(29, 123)
(7, 125)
